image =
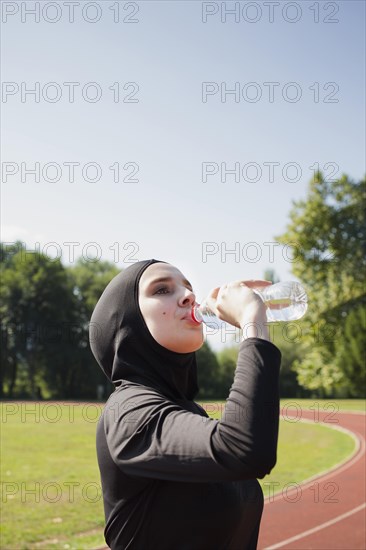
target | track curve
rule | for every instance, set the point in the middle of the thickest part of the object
(329, 511)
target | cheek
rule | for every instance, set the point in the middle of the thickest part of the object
(155, 312)
(157, 320)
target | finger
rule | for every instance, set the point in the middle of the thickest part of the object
(211, 301)
(211, 298)
(214, 292)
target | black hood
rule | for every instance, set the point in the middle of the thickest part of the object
(124, 347)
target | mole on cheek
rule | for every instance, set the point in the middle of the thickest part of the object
(164, 313)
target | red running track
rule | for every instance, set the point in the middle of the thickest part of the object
(329, 511)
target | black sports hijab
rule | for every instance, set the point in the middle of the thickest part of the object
(126, 350)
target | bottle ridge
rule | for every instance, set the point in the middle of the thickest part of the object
(284, 301)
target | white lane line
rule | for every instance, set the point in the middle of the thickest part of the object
(355, 456)
(315, 529)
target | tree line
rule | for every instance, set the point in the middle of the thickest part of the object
(46, 307)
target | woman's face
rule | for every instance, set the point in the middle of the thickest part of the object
(166, 299)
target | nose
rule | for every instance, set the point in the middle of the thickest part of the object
(188, 298)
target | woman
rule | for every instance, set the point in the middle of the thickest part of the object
(172, 478)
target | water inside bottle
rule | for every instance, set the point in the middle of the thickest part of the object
(284, 301)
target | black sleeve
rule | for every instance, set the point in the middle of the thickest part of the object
(150, 436)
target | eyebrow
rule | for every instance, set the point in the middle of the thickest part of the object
(169, 279)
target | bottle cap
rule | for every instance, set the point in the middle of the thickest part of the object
(196, 315)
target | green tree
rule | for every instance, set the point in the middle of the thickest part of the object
(8, 251)
(227, 359)
(36, 306)
(327, 235)
(45, 311)
(208, 373)
(88, 281)
(288, 337)
(350, 351)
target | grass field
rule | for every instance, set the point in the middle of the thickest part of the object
(50, 479)
(328, 405)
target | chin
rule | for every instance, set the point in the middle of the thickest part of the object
(193, 346)
(185, 347)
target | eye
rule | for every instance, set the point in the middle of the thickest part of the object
(162, 290)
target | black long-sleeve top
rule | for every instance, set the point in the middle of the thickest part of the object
(175, 479)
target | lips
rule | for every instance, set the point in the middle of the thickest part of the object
(188, 317)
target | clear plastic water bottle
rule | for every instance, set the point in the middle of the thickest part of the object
(285, 301)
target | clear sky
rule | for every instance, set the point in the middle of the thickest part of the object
(296, 70)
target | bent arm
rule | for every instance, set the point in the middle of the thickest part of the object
(150, 436)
